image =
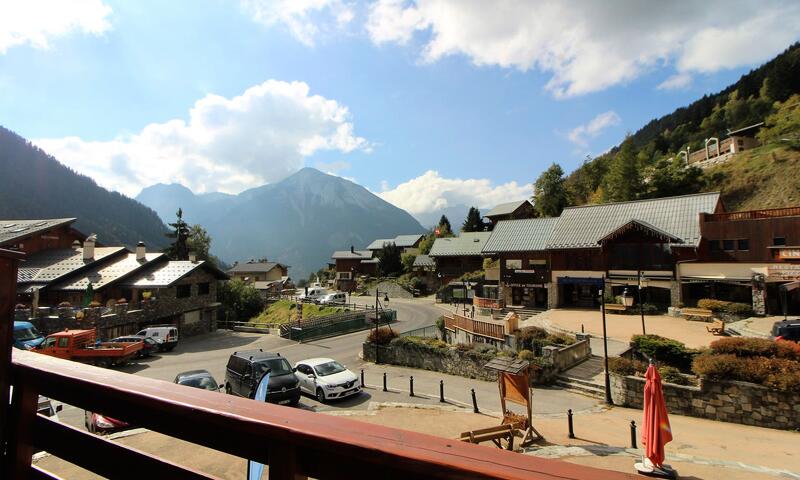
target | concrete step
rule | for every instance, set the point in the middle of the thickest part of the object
(593, 391)
(579, 381)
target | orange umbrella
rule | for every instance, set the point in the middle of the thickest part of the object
(655, 426)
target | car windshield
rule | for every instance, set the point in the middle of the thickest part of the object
(277, 366)
(27, 333)
(207, 383)
(329, 368)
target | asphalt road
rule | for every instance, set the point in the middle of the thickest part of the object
(211, 352)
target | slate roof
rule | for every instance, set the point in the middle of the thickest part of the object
(583, 227)
(50, 265)
(527, 235)
(466, 244)
(348, 255)
(260, 267)
(505, 208)
(424, 261)
(402, 241)
(102, 275)
(11, 231)
(167, 273)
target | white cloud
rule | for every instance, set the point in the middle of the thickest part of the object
(305, 19)
(35, 22)
(588, 45)
(675, 82)
(431, 192)
(581, 134)
(226, 145)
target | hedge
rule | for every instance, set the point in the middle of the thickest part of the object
(721, 306)
(776, 373)
(664, 350)
(756, 347)
(627, 367)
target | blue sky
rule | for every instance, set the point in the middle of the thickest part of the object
(433, 103)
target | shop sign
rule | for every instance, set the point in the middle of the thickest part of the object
(783, 272)
(789, 253)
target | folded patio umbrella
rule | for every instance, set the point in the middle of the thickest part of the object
(656, 431)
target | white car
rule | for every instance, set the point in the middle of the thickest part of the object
(313, 294)
(333, 299)
(326, 379)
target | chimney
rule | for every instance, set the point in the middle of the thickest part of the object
(352, 249)
(88, 247)
(141, 251)
(193, 257)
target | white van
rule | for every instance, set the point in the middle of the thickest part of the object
(165, 335)
(313, 294)
(337, 298)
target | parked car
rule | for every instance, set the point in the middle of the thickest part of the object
(197, 379)
(83, 346)
(26, 337)
(787, 330)
(102, 424)
(245, 369)
(48, 408)
(338, 298)
(166, 335)
(325, 379)
(149, 346)
(312, 294)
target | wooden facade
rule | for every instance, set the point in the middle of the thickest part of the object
(57, 238)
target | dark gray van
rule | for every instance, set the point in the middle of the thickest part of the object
(246, 368)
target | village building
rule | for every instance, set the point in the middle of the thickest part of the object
(269, 278)
(715, 151)
(406, 243)
(350, 264)
(31, 236)
(510, 211)
(455, 256)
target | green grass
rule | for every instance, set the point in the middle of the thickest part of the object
(764, 177)
(284, 311)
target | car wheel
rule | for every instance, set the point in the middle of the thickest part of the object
(320, 396)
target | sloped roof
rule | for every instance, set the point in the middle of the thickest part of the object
(505, 208)
(348, 255)
(103, 275)
(642, 225)
(402, 241)
(261, 267)
(50, 265)
(424, 261)
(379, 243)
(583, 227)
(167, 273)
(11, 231)
(525, 235)
(466, 244)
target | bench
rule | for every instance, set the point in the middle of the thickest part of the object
(703, 313)
(615, 307)
(717, 327)
(493, 434)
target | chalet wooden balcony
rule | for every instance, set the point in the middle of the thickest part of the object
(294, 443)
(478, 327)
(752, 214)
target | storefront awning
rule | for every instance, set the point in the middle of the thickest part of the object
(580, 281)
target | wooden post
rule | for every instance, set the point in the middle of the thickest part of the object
(8, 294)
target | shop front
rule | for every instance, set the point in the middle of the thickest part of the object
(579, 291)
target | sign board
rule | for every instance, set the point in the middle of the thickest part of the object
(786, 271)
(789, 253)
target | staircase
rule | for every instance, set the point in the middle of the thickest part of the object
(524, 313)
(586, 378)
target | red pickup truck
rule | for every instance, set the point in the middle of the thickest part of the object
(82, 346)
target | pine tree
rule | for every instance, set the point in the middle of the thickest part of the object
(390, 259)
(623, 181)
(444, 228)
(550, 194)
(180, 236)
(473, 222)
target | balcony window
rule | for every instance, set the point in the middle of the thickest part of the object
(779, 241)
(183, 291)
(714, 245)
(728, 245)
(514, 264)
(203, 288)
(743, 244)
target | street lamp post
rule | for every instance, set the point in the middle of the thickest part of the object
(605, 343)
(641, 307)
(377, 320)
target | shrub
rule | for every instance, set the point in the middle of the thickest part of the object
(425, 342)
(526, 355)
(665, 350)
(506, 353)
(463, 347)
(624, 366)
(756, 347)
(672, 375)
(721, 306)
(531, 338)
(715, 367)
(560, 339)
(711, 304)
(739, 309)
(381, 336)
(776, 373)
(440, 326)
(484, 348)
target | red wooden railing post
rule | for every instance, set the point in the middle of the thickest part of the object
(283, 463)
(24, 402)
(8, 294)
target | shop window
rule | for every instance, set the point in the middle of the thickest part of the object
(743, 244)
(779, 241)
(714, 245)
(728, 245)
(514, 264)
(183, 291)
(203, 288)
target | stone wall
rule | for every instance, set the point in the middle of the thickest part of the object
(563, 358)
(735, 402)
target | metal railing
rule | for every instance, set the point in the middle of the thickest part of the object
(431, 331)
(294, 443)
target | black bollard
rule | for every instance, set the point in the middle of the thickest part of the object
(569, 424)
(362, 378)
(411, 386)
(384, 383)
(441, 391)
(474, 402)
(633, 434)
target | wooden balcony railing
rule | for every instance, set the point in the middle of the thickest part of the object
(478, 327)
(294, 443)
(753, 214)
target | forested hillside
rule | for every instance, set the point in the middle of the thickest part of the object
(646, 164)
(35, 185)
